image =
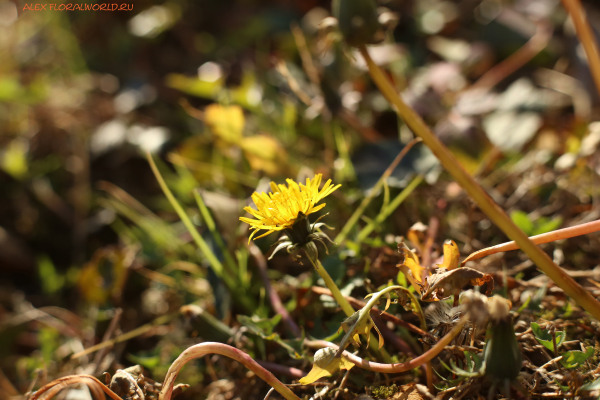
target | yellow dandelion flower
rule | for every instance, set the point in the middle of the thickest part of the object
(279, 209)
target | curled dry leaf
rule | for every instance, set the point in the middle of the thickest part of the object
(411, 267)
(416, 235)
(445, 283)
(451, 256)
(326, 364)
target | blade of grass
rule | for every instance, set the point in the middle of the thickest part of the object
(204, 248)
(162, 320)
(341, 237)
(387, 211)
(212, 227)
(483, 200)
(586, 37)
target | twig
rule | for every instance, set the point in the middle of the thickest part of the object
(57, 385)
(127, 336)
(278, 307)
(553, 236)
(307, 61)
(516, 60)
(293, 83)
(282, 369)
(109, 331)
(342, 384)
(269, 393)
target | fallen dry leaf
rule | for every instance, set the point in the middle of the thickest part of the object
(445, 283)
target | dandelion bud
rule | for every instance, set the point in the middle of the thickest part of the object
(502, 354)
(358, 21)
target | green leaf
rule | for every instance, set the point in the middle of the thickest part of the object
(545, 338)
(522, 220)
(52, 281)
(261, 327)
(573, 359)
(147, 362)
(544, 225)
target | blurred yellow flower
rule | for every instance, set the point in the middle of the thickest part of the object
(279, 209)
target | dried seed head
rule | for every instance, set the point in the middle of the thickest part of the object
(476, 305)
(499, 308)
(441, 313)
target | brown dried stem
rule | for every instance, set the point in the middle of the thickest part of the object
(96, 387)
(553, 236)
(586, 37)
(278, 306)
(202, 349)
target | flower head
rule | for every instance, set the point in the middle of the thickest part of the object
(280, 209)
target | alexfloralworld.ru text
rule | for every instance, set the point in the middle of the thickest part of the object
(78, 7)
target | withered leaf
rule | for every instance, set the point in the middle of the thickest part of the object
(354, 329)
(411, 267)
(445, 283)
(416, 235)
(451, 256)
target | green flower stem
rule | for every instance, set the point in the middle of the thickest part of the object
(496, 214)
(335, 291)
(341, 300)
(339, 239)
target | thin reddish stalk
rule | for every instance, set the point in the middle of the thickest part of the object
(516, 60)
(282, 369)
(278, 306)
(57, 385)
(202, 349)
(400, 367)
(559, 234)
